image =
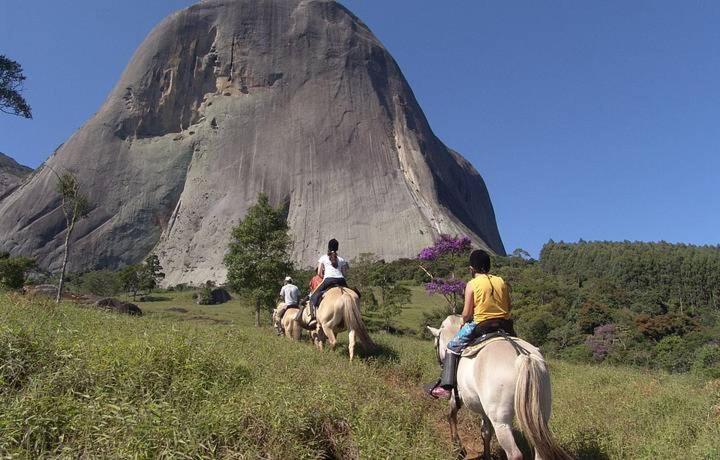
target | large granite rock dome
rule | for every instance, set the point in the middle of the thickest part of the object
(229, 98)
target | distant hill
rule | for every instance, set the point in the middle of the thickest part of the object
(11, 174)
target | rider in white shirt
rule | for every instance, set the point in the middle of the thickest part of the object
(332, 268)
(290, 294)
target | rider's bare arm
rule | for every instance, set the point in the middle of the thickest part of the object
(321, 270)
(469, 307)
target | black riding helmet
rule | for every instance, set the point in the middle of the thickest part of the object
(333, 245)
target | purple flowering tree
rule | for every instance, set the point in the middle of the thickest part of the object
(452, 289)
(444, 245)
(602, 342)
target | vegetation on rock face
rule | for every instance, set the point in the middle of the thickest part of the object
(258, 257)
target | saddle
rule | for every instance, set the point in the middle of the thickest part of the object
(484, 340)
(336, 285)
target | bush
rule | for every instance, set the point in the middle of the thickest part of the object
(13, 271)
(707, 361)
(104, 283)
(204, 296)
(672, 354)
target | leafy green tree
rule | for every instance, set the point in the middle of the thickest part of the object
(707, 361)
(104, 283)
(13, 270)
(258, 256)
(592, 315)
(75, 206)
(130, 277)
(390, 299)
(11, 85)
(151, 274)
(362, 271)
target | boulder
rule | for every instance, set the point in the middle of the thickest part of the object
(119, 306)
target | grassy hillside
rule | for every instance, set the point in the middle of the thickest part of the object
(204, 383)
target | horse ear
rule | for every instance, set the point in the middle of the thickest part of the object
(433, 331)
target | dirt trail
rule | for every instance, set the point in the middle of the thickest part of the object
(468, 422)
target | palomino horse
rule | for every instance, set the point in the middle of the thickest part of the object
(339, 310)
(293, 330)
(498, 382)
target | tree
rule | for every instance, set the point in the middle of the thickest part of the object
(150, 274)
(258, 256)
(11, 84)
(130, 278)
(74, 206)
(104, 283)
(521, 254)
(13, 270)
(392, 296)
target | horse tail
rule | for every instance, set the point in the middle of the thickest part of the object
(532, 406)
(353, 320)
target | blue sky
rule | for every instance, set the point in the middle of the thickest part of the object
(593, 120)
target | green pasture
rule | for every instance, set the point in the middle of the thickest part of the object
(205, 383)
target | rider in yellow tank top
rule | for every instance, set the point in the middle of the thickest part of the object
(491, 296)
(486, 310)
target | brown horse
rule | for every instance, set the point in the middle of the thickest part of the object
(339, 310)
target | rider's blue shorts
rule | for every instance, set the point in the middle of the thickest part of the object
(463, 337)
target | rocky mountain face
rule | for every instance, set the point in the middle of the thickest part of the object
(229, 98)
(11, 174)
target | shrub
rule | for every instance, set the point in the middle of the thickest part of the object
(602, 342)
(13, 271)
(672, 354)
(103, 283)
(706, 361)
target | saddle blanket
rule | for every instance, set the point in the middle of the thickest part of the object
(475, 348)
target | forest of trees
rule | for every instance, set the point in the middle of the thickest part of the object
(646, 304)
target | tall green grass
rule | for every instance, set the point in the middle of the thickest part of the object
(80, 382)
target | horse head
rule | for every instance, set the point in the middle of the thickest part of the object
(447, 330)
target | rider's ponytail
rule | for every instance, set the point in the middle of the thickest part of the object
(333, 246)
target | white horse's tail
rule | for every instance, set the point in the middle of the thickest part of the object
(532, 406)
(354, 322)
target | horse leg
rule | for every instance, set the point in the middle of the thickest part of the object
(318, 338)
(452, 420)
(351, 343)
(505, 438)
(330, 335)
(486, 431)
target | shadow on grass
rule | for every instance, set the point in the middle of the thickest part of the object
(153, 298)
(381, 354)
(586, 448)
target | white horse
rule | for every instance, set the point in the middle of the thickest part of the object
(291, 328)
(500, 382)
(339, 310)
